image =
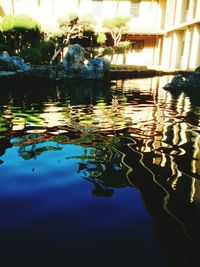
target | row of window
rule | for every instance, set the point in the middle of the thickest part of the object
(134, 6)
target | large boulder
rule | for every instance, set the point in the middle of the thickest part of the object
(193, 80)
(75, 56)
(13, 68)
(191, 83)
(176, 83)
(13, 63)
(73, 65)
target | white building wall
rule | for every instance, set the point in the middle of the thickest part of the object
(166, 54)
(174, 50)
(187, 48)
(182, 31)
(177, 12)
(197, 14)
(7, 6)
(169, 15)
(194, 59)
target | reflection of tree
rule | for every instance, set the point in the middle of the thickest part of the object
(105, 174)
(33, 145)
(33, 151)
(103, 166)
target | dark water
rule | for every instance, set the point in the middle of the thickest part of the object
(95, 174)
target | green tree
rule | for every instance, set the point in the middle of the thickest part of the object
(101, 38)
(72, 27)
(20, 32)
(116, 26)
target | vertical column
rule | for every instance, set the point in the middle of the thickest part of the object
(169, 13)
(194, 9)
(184, 7)
(166, 54)
(198, 9)
(194, 55)
(191, 10)
(7, 6)
(177, 18)
(156, 51)
(187, 47)
(174, 51)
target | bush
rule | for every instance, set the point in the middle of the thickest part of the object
(108, 51)
(20, 32)
(22, 36)
(3, 45)
(101, 38)
(127, 67)
(124, 46)
(21, 22)
(38, 55)
(31, 55)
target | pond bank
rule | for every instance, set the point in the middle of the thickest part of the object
(121, 74)
(47, 75)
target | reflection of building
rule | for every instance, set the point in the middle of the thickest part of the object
(163, 33)
(170, 144)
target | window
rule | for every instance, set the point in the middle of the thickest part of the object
(137, 45)
(135, 8)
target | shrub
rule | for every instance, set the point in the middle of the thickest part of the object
(21, 32)
(21, 22)
(31, 55)
(101, 38)
(38, 55)
(108, 51)
(124, 46)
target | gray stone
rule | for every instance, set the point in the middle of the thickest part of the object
(13, 63)
(176, 83)
(75, 56)
(73, 67)
(193, 80)
(191, 83)
(197, 69)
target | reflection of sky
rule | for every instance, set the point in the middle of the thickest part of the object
(47, 191)
(50, 169)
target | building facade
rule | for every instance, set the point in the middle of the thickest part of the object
(164, 33)
(181, 49)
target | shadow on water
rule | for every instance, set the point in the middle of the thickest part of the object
(125, 135)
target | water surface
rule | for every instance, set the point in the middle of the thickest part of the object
(105, 173)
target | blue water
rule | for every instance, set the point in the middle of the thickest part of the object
(45, 204)
(95, 176)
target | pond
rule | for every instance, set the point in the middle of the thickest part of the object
(96, 173)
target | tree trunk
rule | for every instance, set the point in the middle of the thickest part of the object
(124, 56)
(56, 53)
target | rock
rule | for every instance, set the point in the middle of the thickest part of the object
(15, 69)
(197, 69)
(193, 80)
(13, 63)
(73, 67)
(176, 83)
(74, 57)
(191, 83)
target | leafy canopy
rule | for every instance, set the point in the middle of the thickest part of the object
(12, 22)
(117, 24)
(116, 27)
